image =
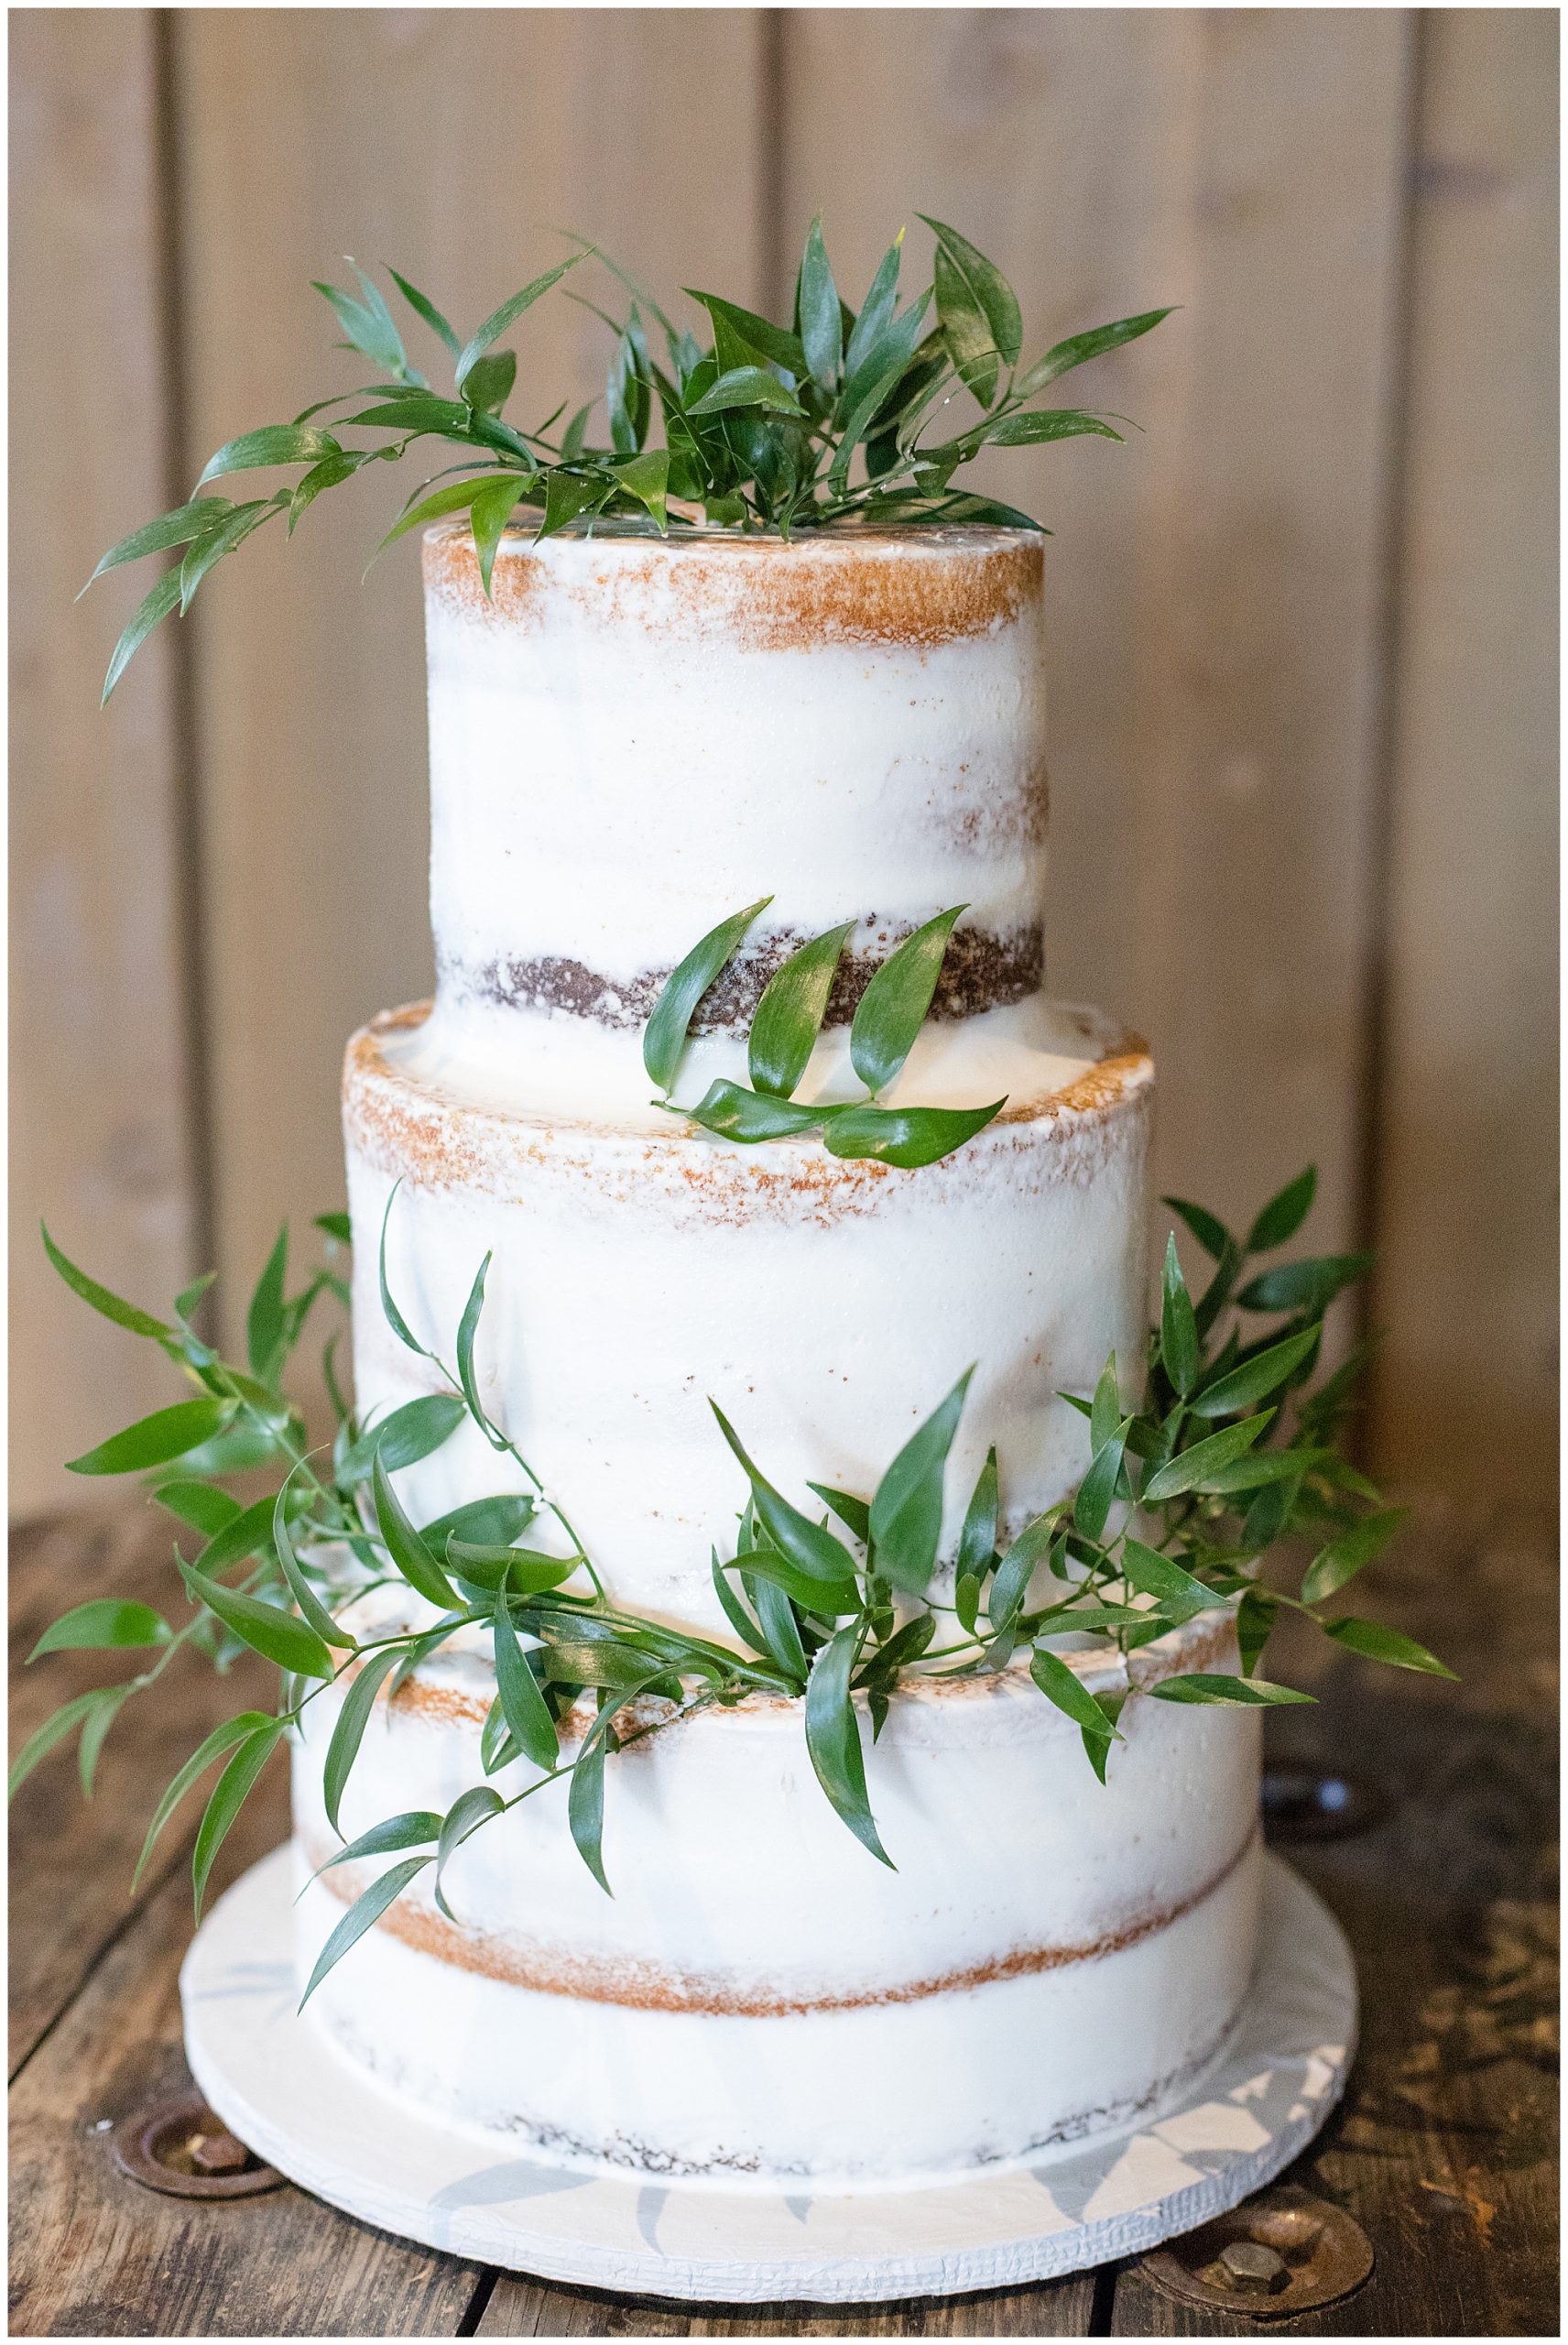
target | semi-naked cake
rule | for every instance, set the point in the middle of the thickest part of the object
(630, 739)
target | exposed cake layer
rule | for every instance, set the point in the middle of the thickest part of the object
(640, 1267)
(760, 1997)
(634, 738)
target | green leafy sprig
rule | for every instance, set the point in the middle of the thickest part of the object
(1230, 1449)
(784, 1029)
(763, 425)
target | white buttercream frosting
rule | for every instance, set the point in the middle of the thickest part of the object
(760, 1997)
(630, 741)
(639, 1274)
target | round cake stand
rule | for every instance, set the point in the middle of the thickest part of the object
(278, 2083)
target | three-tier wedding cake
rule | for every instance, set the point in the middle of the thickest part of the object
(630, 739)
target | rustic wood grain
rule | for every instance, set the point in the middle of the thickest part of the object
(1466, 1206)
(94, 2254)
(1215, 586)
(451, 143)
(100, 1103)
(1445, 2150)
(1058, 138)
(1365, 260)
(74, 1860)
(1251, 874)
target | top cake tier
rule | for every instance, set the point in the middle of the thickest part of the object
(634, 737)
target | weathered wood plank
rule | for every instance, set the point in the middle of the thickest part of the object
(1444, 2151)
(521, 2307)
(1218, 583)
(72, 1862)
(1466, 1197)
(1252, 893)
(100, 1098)
(1058, 140)
(447, 142)
(95, 2254)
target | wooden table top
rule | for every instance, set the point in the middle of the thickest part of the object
(1444, 2151)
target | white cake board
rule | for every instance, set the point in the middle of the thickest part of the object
(277, 2081)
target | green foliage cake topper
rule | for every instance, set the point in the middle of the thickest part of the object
(1231, 1449)
(763, 425)
(784, 1031)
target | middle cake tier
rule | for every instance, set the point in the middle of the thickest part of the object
(640, 1269)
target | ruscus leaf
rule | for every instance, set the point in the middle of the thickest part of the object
(265, 1324)
(893, 1008)
(789, 1016)
(1373, 1642)
(906, 1513)
(907, 1136)
(808, 1545)
(1337, 1563)
(275, 444)
(522, 1704)
(1189, 1468)
(1226, 1692)
(348, 1733)
(1079, 347)
(109, 1305)
(101, 1625)
(230, 1792)
(1063, 1686)
(1307, 1286)
(1178, 1345)
(365, 1911)
(664, 1038)
(1254, 1379)
(732, 1112)
(822, 329)
(223, 1737)
(977, 1540)
(153, 1441)
(53, 1731)
(464, 1818)
(155, 605)
(496, 324)
(412, 1829)
(833, 1740)
(404, 1545)
(266, 1628)
(1210, 1232)
(1283, 1216)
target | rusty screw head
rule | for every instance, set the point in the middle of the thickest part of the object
(1283, 2253)
(218, 2153)
(1290, 2231)
(176, 2145)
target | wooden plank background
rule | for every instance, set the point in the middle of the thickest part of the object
(1303, 709)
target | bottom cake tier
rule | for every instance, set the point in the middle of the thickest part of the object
(759, 1999)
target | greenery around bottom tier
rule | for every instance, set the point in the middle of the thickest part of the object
(1232, 1448)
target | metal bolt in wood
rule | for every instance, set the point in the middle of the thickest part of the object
(1283, 2253)
(175, 2145)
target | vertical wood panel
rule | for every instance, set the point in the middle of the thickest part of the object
(446, 142)
(1260, 715)
(1057, 139)
(1467, 1206)
(1216, 584)
(99, 1100)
